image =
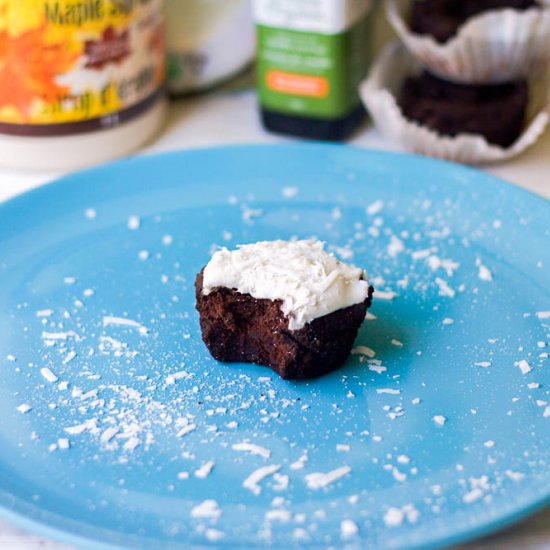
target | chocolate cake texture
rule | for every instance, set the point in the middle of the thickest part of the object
(443, 18)
(239, 328)
(496, 112)
(289, 305)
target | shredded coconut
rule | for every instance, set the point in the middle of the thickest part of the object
(363, 350)
(205, 470)
(524, 366)
(133, 223)
(348, 529)
(319, 480)
(209, 509)
(48, 375)
(440, 420)
(310, 282)
(252, 449)
(252, 482)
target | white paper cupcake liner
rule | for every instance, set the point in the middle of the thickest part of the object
(380, 90)
(492, 47)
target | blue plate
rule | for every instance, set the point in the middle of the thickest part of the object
(119, 429)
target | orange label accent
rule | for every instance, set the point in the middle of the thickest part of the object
(298, 84)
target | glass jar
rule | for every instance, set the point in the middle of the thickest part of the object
(208, 42)
(80, 82)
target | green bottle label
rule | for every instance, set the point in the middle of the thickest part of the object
(312, 74)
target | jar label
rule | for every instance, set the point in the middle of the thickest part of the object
(322, 16)
(312, 66)
(71, 66)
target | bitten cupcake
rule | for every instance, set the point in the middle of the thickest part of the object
(289, 305)
(475, 41)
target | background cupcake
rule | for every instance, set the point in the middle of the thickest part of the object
(464, 123)
(475, 41)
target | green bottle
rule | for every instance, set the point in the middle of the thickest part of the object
(312, 55)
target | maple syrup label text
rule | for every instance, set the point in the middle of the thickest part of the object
(78, 61)
(85, 11)
(76, 14)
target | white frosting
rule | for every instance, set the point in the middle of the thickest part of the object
(310, 282)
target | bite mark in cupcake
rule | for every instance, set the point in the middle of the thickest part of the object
(291, 306)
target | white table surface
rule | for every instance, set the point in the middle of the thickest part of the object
(229, 117)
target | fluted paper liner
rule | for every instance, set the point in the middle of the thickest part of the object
(495, 46)
(380, 90)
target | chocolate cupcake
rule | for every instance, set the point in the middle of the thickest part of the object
(442, 18)
(469, 124)
(475, 41)
(497, 112)
(288, 305)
